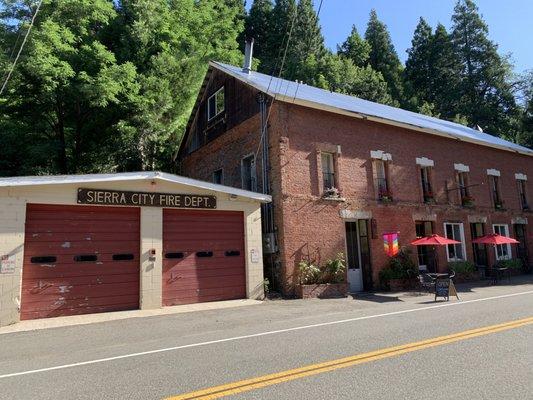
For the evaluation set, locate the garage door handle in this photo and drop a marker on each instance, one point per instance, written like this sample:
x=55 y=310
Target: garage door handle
x=204 y=254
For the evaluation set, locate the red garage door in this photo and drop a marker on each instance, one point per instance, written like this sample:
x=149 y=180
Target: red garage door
x=80 y=260
x=203 y=256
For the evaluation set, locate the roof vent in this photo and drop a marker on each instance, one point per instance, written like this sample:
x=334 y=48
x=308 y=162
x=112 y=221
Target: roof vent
x=248 y=55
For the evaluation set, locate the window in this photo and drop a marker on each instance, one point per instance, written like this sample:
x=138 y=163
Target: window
x=495 y=191
x=248 y=176
x=503 y=251
x=455 y=231
x=215 y=104
x=477 y=230
x=522 y=194
x=328 y=170
x=218 y=176
x=426 y=254
x=425 y=176
x=382 y=181
x=464 y=193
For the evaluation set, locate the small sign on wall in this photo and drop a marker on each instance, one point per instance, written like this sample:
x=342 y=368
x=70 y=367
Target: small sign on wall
x=7 y=264
x=254 y=253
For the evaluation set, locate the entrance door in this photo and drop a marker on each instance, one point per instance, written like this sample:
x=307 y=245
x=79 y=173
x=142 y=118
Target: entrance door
x=521 y=248
x=480 y=250
x=358 y=256
x=426 y=254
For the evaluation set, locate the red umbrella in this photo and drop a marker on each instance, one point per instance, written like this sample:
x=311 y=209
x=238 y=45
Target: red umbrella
x=495 y=239
x=433 y=240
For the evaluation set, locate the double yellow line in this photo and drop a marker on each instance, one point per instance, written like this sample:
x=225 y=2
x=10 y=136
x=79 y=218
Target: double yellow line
x=315 y=369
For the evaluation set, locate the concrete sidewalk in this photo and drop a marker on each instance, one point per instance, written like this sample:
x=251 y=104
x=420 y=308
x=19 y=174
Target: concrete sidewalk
x=57 y=322
x=290 y=307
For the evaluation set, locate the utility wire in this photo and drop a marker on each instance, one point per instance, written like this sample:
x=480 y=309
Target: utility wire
x=21 y=47
x=263 y=130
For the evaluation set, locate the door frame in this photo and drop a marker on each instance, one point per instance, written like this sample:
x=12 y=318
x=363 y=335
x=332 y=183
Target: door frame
x=359 y=254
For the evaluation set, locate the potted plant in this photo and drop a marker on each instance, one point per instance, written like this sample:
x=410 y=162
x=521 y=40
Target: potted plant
x=398 y=273
x=326 y=281
x=385 y=195
x=465 y=271
x=498 y=205
x=514 y=265
x=331 y=193
x=429 y=198
x=468 y=201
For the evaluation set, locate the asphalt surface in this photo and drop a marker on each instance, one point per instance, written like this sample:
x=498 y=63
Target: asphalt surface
x=246 y=342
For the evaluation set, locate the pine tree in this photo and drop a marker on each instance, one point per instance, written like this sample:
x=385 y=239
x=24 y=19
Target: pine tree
x=418 y=67
x=383 y=57
x=283 y=18
x=258 y=25
x=355 y=48
x=445 y=74
x=486 y=95
x=306 y=47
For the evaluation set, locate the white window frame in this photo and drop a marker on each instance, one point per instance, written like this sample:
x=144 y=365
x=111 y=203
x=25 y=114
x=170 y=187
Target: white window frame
x=253 y=172
x=217 y=112
x=221 y=176
x=463 y=244
x=500 y=246
x=328 y=167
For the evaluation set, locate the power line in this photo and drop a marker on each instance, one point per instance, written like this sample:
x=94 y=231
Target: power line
x=21 y=47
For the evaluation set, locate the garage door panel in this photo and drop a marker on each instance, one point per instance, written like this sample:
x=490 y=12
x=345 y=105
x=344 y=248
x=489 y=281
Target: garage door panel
x=81 y=269
x=48 y=291
x=80 y=226
x=77 y=307
x=63 y=284
x=193 y=278
x=39 y=237
x=85 y=247
x=193 y=296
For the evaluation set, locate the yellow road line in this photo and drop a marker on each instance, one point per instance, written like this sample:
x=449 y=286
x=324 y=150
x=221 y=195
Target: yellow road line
x=314 y=369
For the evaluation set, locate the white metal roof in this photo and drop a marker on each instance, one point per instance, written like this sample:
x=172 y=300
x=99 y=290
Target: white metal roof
x=129 y=176
x=310 y=96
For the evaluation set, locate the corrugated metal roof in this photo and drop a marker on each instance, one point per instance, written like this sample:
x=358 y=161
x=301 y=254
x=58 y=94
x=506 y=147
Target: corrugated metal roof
x=129 y=176
x=310 y=96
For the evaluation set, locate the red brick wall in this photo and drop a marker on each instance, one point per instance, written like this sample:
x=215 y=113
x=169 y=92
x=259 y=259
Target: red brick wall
x=309 y=226
x=312 y=226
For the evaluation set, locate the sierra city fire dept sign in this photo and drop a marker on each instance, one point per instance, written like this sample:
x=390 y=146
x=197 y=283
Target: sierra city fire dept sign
x=145 y=199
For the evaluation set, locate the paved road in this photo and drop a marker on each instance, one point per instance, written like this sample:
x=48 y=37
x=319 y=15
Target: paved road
x=187 y=352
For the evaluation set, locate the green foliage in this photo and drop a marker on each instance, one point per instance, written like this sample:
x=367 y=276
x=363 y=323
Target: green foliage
x=333 y=271
x=515 y=263
x=383 y=57
x=462 y=267
x=355 y=48
x=400 y=266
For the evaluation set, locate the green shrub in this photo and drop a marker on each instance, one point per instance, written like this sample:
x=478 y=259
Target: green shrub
x=511 y=264
x=462 y=267
x=333 y=271
x=400 y=266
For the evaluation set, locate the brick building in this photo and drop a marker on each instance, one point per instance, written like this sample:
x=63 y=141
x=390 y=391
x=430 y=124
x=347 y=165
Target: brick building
x=344 y=171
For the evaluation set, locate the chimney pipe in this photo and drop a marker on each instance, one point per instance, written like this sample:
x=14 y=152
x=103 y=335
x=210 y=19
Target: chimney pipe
x=248 y=55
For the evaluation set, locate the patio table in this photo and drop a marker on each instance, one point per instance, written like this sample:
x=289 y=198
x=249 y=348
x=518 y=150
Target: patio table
x=498 y=272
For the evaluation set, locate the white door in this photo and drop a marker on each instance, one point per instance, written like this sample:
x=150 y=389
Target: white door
x=353 y=257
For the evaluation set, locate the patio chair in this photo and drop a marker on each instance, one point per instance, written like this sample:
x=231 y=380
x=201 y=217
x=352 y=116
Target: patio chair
x=426 y=283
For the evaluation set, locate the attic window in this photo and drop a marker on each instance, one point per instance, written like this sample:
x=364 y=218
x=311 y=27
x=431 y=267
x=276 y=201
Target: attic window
x=215 y=104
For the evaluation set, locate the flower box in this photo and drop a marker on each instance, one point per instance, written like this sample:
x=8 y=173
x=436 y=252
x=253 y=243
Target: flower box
x=322 y=291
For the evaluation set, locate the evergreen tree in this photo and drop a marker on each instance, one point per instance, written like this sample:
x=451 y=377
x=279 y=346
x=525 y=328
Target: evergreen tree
x=62 y=100
x=418 y=67
x=307 y=43
x=445 y=74
x=283 y=18
x=355 y=48
x=258 y=25
x=339 y=74
x=170 y=43
x=487 y=98
x=383 y=57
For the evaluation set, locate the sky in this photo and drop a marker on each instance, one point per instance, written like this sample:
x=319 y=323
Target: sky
x=510 y=22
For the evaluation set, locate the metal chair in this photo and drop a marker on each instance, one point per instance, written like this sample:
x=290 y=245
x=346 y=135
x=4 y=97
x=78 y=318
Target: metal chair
x=426 y=283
